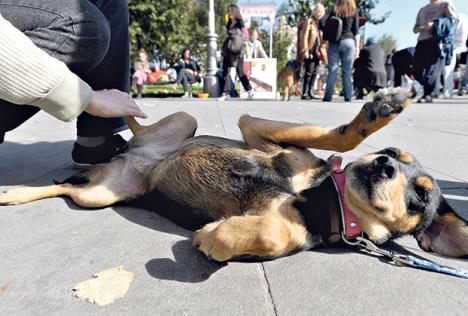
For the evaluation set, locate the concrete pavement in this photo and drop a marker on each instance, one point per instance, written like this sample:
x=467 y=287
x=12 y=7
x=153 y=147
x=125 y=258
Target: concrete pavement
x=46 y=247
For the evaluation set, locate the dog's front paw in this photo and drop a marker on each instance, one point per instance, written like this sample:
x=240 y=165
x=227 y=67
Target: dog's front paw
x=212 y=243
x=388 y=103
x=374 y=110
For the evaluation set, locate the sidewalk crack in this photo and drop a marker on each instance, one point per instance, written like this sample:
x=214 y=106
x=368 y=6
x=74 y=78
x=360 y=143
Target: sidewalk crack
x=221 y=120
x=270 y=294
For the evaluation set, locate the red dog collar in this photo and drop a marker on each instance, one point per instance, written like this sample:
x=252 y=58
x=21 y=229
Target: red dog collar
x=351 y=228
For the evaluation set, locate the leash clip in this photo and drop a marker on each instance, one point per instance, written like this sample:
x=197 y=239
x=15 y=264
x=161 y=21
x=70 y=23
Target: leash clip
x=370 y=247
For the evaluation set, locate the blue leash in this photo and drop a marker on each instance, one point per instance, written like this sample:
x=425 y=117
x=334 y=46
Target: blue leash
x=408 y=260
x=431 y=266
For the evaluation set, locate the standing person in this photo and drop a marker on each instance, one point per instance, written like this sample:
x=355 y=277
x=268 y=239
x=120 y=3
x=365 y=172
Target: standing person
x=188 y=71
x=142 y=69
x=461 y=36
x=369 y=69
x=427 y=65
x=464 y=79
x=254 y=48
x=53 y=55
x=232 y=50
x=346 y=49
x=389 y=69
x=310 y=41
x=402 y=62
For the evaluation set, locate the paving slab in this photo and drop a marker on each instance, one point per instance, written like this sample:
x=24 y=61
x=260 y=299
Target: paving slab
x=49 y=246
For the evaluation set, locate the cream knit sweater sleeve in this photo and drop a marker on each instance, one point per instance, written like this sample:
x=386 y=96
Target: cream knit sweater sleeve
x=28 y=75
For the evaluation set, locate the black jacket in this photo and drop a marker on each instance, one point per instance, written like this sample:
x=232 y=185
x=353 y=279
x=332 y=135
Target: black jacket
x=369 y=68
x=229 y=58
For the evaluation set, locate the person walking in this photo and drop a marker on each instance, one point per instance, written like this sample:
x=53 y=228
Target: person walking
x=402 y=62
x=232 y=52
x=343 y=48
x=310 y=41
x=427 y=63
x=459 y=46
x=61 y=57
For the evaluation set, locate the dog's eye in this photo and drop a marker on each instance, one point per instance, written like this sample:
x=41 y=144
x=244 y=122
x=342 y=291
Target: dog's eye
x=414 y=208
x=423 y=187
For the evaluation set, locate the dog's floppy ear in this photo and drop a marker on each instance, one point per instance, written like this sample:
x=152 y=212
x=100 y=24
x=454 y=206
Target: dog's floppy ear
x=448 y=233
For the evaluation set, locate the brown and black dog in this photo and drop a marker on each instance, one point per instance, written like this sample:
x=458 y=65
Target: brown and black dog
x=286 y=79
x=244 y=197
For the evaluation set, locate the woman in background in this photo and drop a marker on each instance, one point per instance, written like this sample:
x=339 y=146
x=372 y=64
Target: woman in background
x=235 y=29
x=346 y=49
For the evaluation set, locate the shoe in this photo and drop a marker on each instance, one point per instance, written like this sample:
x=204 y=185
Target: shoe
x=306 y=97
x=223 y=97
x=448 y=96
x=250 y=95
x=326 y=100
x=425 y=99
x=84 y=157
x=186 y=95
x=461 y=92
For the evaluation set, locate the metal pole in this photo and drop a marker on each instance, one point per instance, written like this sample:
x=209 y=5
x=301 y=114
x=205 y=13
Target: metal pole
x=210 y=82
x=272 y=20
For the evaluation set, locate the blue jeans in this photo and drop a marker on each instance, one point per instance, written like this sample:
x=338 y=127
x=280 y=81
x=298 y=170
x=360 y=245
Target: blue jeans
x=89 y=36
x=343 y=51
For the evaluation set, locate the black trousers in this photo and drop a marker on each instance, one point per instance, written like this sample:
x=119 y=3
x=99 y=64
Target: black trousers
x=311 y=67
x=90 y=37
x=240 y=72
x=427 y=65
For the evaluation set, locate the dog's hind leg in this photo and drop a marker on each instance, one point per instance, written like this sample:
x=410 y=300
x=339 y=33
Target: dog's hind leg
x=181 y=119
x=273 y=233
x=372 y=117
x=108 y=184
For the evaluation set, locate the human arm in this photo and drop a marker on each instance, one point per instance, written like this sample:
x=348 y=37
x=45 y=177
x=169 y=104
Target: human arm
x=261 y=50
x=28 y=75
x=357 y=39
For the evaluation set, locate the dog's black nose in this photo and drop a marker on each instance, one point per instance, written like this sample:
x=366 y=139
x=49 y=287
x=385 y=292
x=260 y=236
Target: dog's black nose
x=382 y=160
x=383 y=166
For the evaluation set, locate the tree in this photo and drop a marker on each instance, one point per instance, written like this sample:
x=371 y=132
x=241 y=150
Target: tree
x=164 y=28
x=388 y=43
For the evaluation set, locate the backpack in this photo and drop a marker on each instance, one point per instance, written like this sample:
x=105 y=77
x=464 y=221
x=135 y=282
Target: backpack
x=234 y=41
x=333 y=29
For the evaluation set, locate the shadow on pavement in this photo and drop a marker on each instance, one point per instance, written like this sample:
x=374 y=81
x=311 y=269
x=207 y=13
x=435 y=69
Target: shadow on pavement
x=189 y=265
x=23 y=163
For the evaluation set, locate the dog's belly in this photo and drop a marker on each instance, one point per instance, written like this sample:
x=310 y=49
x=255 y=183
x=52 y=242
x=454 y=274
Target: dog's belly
x=178 y=212
x=210 y=178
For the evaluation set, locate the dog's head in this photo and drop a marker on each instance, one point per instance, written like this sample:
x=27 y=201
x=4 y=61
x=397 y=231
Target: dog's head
x=391 y=194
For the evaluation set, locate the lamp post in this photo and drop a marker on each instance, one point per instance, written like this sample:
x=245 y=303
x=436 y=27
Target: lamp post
x=210 y=82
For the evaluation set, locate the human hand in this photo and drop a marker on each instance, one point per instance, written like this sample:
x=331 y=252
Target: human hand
x=113 y=103
x=429 y=26
x=306 y=55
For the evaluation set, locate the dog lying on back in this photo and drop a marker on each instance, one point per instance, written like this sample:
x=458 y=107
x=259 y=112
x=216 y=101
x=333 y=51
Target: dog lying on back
x=269 y=196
